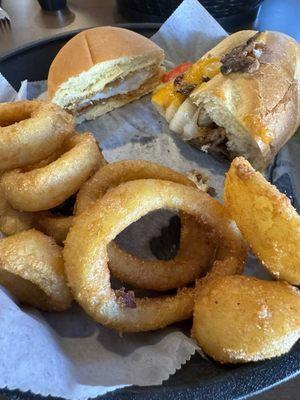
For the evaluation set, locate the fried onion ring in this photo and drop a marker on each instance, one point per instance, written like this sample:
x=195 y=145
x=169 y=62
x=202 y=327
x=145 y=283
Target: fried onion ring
x=13 y=221
x=47 y=187
x=30 y=131
x=119 y=172
x=86 y=259
x=198 y=244
x=56 y=222
x=241 y=318
x=32 y=269
x=193 y=256
x=266 y=218
x=55 y=226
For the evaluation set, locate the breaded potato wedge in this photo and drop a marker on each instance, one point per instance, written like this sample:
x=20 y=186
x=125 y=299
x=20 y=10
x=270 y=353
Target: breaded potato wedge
x=266 y=218
x=239 y=319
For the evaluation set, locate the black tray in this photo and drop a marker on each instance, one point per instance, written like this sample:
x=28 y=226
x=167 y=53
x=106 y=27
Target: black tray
x=199 y=379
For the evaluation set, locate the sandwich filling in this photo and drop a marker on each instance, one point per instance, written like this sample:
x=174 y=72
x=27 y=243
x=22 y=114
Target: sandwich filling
x=119 y=87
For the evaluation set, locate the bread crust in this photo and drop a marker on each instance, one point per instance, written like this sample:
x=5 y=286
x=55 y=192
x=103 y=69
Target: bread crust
x=265 y=103
x=94 y=46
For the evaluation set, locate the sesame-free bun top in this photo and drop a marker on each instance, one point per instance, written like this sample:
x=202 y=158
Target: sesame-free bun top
x=99 y=45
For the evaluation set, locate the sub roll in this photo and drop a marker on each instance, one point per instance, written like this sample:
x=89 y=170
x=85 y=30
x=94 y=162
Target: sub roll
x=240 y=98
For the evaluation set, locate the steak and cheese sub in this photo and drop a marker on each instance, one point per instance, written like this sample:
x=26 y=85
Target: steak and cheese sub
x=240 y=98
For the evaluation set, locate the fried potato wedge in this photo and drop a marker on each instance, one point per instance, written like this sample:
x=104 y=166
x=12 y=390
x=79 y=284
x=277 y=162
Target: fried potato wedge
x=266 y=218
x=239 y=319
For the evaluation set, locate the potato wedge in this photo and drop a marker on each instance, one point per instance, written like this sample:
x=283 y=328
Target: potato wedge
x=239 y=319
x=266 y=218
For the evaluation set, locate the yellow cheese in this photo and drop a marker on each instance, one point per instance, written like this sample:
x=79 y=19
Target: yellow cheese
x=257 y=129
x=166 y=94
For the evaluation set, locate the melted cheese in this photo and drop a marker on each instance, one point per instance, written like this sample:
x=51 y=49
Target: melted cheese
x=166 y=94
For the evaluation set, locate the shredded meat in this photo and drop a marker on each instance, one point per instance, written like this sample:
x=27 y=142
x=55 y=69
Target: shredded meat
x=126 y=299
x=212 y=191
x=243 y=58
x=219 y=151
x=183 y=87
x=201 y=182
x=214 y=142
x=215 y=135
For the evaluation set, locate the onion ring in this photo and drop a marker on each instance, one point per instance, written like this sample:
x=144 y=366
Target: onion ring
x=85 y=251
x=196 y=252
x=30 y=131
x=54 y=225
x=119 y=172
x=13 y=221
x=266 y=218
x=31 y=267
x=193 y=256
x=47 y=187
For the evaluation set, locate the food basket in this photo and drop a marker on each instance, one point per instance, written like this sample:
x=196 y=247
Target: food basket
x=231 y=14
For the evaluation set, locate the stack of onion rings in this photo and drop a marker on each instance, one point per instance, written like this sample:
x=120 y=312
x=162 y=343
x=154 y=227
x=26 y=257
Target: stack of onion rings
x=195 y=251
x=86 y=258
x=46 y=187
x=30 y=131
x=31 y=267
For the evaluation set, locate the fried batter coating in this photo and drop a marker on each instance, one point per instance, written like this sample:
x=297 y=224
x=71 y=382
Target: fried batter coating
x=32 y=268
x=266 y=218
x=30 y=131
x=239 y=319
x=47 y=187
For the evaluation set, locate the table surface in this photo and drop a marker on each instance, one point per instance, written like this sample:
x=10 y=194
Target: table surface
x=29 y=23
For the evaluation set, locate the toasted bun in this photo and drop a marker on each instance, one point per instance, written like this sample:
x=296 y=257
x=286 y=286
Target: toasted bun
x=260 y=111
x=229 y=43
x=96 y=57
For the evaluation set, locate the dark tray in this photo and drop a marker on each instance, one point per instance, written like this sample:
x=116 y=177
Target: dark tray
x=199 y=379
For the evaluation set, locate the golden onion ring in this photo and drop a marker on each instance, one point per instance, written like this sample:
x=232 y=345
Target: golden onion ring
x=266 y=218
x=32 y=269
x=193 y=256
x=47 y=187
x=86 y=259
x=198 y=244
x=30 y=131
x=119 y=172
x=55 y=226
